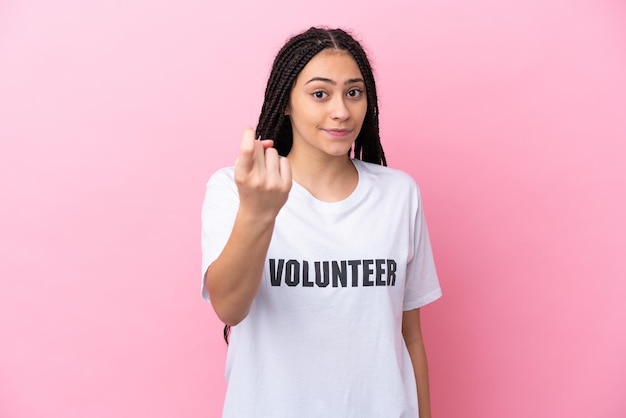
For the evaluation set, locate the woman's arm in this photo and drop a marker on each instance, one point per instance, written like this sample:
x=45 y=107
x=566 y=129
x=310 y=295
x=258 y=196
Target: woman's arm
x=412 y=332
x=263 y=182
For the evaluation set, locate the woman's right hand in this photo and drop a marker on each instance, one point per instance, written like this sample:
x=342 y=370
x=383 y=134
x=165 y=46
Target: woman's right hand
x=263 y=181
x=262 y=177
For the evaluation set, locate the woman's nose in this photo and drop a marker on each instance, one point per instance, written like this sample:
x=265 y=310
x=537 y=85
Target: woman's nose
x=338 y=109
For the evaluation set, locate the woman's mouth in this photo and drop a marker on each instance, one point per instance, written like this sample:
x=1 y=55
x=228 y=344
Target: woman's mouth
x=337 y=133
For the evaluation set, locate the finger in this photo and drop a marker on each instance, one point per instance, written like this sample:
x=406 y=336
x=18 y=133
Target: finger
x=259 y=157
x=271 y=162
x=267 y=143
x=245 y=160
x=285 y=172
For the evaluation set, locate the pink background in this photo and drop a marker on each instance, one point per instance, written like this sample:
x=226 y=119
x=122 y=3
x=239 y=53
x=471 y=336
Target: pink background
x=510 y=114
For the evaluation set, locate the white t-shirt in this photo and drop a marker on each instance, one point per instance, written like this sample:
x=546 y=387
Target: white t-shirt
x=323 y=337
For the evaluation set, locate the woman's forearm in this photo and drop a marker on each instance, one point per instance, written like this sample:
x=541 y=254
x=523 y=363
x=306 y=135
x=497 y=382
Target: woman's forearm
x=233 y=279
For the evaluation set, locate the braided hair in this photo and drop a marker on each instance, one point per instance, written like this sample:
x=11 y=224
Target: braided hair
x=289 y=62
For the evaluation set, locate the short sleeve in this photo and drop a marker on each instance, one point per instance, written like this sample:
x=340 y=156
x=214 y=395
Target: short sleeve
x=219 y=209
x=422 y=282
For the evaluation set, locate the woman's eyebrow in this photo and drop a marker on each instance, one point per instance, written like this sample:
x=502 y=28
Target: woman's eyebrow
x=328 y=80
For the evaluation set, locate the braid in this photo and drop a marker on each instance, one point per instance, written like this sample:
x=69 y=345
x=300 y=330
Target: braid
x=291 y=59
x=289 y=62
x=367 y=146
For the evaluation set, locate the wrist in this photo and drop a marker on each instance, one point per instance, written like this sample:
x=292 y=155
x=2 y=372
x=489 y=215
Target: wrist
x=253 y=220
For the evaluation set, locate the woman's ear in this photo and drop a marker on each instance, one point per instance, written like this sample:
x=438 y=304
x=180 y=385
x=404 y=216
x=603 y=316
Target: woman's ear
x=287 y=110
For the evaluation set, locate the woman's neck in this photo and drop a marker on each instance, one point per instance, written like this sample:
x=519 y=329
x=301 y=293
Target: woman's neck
x=329 y=179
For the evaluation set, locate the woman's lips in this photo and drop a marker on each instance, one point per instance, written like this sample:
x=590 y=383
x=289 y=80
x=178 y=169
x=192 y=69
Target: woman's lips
x=337 y=133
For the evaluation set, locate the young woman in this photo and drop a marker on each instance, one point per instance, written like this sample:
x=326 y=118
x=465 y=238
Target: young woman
x=317 y=259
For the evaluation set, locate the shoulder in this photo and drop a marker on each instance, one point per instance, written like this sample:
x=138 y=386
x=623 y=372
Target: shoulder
x=386 y=176
x=384 y=172
x=222 y=176
x=222 y=181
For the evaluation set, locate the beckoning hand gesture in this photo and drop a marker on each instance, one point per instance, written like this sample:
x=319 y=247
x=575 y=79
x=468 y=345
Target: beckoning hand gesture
x=262 y=177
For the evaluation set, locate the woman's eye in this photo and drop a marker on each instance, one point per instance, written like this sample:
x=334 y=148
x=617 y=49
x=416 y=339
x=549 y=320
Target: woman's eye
x=354 y=93
x=320 y=94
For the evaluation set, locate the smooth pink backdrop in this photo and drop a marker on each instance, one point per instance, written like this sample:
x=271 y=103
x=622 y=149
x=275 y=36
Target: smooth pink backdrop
x=511 y=115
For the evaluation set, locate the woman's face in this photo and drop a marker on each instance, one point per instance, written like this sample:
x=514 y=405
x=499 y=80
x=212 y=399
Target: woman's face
x=327 y=105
